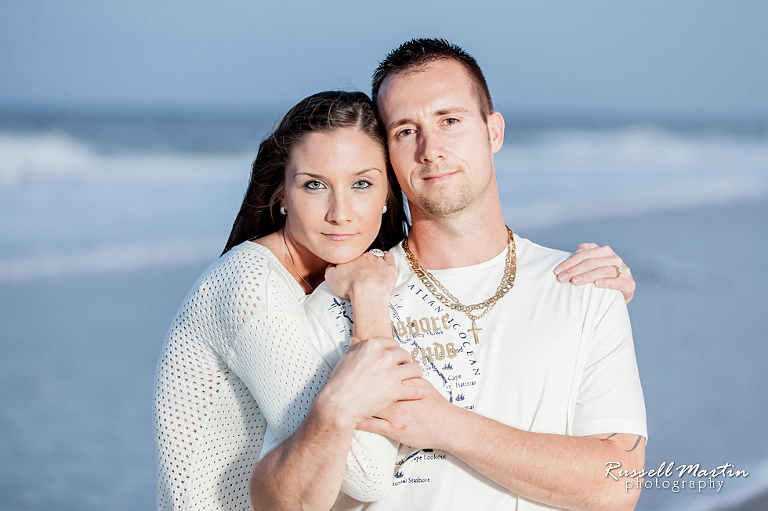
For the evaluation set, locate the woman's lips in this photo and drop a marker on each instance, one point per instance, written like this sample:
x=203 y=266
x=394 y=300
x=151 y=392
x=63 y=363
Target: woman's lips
x=338 y=237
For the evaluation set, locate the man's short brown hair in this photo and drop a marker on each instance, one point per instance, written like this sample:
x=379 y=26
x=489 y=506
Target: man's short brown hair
x=417 y=54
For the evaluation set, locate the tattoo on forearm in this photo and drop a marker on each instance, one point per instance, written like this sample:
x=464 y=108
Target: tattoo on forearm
x=637 y=442
x=612 y=436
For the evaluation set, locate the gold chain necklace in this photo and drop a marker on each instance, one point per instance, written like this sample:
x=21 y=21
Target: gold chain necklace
x=446 y=298
x=290 y=260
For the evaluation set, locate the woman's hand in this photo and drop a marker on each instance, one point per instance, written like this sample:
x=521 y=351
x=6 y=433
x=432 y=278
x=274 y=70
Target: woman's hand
x=600 y=265
x=371 y=376
x=367 y=275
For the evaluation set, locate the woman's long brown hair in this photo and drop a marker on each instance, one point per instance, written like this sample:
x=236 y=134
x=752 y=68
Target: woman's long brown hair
x=325 y=111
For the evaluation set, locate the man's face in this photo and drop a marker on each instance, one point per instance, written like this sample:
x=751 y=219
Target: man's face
x=440 y=146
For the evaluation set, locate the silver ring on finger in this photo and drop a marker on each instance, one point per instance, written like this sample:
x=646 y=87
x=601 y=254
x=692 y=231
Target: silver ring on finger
x=376 y=252
x=619 y=271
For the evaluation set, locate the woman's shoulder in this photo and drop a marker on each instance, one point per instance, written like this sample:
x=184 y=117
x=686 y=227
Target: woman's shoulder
x=247 y=262
x=249 y=269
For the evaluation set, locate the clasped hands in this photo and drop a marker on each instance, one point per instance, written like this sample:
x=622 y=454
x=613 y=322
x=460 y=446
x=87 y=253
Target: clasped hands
x=379 y=389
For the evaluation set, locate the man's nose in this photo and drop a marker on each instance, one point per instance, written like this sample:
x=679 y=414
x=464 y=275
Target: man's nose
x=430 y=146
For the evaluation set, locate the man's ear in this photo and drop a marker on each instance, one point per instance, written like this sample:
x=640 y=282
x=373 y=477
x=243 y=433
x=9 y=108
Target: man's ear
x=496 y=131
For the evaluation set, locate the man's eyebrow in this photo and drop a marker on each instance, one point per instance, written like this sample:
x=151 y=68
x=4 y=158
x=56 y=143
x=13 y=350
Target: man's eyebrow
x=452 y=110
x=399 y=123
x=443 y=111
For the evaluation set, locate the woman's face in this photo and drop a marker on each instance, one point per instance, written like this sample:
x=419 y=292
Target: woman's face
x=335 y=189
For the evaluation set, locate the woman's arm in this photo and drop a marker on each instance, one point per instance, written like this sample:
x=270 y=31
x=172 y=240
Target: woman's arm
x=273 y=356
x=306 y=470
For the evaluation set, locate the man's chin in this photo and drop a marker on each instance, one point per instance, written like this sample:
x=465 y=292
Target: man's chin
x=445 y=205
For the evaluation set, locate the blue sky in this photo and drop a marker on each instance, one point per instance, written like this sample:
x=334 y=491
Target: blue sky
x=600 y=57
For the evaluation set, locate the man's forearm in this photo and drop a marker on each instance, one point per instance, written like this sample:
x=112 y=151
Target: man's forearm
x=558 y=470
x=306 y=470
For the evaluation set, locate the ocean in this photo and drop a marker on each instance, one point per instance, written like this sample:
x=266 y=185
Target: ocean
x=108 y=218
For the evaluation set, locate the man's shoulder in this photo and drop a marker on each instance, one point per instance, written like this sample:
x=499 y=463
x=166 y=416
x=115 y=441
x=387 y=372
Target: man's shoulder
x=535 y=267
x=530 y=253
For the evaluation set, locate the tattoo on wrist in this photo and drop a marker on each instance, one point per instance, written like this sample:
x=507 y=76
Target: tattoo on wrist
x=637 y=442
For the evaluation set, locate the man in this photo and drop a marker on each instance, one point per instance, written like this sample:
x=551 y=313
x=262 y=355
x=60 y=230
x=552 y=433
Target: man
x=533 y=386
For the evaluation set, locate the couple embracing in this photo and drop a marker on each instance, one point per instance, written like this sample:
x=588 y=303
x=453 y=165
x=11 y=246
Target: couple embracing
x=341 y=356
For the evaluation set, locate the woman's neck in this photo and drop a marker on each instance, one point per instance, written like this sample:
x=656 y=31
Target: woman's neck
x=306 y=268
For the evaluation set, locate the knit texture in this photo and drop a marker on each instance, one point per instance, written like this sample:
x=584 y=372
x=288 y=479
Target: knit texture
x=238 y=357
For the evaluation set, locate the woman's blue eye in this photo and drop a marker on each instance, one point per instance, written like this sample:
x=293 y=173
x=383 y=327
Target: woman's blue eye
x=313 y=185
x=363 y=184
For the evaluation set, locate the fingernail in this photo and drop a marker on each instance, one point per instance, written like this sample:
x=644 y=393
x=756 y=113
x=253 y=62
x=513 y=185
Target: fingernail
x=564 y=277
x=578 y=278
x=579 y=250
x=558 y=270
x=599 y=282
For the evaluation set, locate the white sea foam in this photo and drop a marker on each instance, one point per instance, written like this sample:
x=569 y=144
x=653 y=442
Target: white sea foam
x=52 y=156
x=570 y=176
x=109 y=259
x=65 y=201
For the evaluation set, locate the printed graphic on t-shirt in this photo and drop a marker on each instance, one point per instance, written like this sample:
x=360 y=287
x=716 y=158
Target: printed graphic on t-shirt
x=438 y=339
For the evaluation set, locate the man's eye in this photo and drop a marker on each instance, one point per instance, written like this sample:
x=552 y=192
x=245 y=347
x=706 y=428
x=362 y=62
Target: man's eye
x=313 y=185
x=451 y=120
x=404 y=133
x=363 y=184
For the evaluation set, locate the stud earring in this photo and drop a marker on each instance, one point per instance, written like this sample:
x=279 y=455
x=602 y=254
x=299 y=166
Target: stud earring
x=384 y=209
x=282 y=210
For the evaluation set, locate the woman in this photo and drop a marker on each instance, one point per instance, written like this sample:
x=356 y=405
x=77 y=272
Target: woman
x=238 y=360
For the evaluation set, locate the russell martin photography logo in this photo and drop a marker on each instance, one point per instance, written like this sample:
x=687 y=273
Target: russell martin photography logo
x=669 y=477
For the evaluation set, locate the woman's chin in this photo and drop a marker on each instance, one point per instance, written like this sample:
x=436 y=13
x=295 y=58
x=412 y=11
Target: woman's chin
x=342 y=256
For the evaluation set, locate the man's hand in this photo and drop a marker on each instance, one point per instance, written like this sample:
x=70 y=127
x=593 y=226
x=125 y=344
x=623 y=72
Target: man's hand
x=362 y=276
x=371 y=376
x=596 y=264
x=418 y=423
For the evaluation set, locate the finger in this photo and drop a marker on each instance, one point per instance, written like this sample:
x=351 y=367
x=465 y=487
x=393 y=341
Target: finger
x=589 y=271
x=412 y=393
x=386 y=343
x=409 y=371
x=591 y=264
x=585 y=246
x=626 y=284
x=375 y=425
x=389 y=258
x=611 y=283
x=590 y=253
x=401 y=356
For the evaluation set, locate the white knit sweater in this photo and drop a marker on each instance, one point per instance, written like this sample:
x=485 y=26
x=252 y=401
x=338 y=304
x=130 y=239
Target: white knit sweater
x=237 y=357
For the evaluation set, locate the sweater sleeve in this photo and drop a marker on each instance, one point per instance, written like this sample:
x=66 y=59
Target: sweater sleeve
x=273 y=355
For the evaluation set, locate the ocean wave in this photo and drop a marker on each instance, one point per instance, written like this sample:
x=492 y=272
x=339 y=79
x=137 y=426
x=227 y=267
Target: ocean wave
x=55 y=155
x=575 y=175
x=109 y=259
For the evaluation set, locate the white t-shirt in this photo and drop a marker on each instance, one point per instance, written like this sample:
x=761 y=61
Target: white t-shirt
x=552 y=358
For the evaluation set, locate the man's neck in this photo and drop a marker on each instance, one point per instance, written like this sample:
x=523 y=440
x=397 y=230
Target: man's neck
x=462 y=239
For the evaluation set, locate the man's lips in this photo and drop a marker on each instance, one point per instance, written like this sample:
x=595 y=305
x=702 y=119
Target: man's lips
x=338 y=237
x=442 y=176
